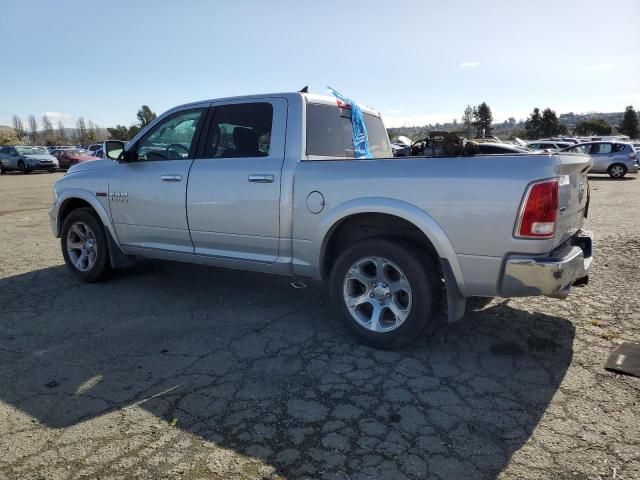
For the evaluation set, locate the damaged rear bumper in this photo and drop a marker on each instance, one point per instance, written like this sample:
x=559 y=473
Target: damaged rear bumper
x=551 y=275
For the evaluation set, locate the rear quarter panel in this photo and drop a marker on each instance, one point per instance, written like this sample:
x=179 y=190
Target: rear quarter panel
x=474 y=200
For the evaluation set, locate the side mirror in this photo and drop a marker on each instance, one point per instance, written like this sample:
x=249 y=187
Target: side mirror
x=113 y=149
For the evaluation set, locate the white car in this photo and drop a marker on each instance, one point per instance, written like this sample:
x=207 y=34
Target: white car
x=549 y=145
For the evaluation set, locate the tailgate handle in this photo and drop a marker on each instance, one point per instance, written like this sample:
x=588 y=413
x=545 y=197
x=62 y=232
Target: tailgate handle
x=261 y=178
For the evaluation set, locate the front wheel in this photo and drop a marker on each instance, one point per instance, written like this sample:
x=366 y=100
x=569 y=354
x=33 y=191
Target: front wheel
x=617 y=170
x=84 y=246
x=385 y=291
x=22 y=167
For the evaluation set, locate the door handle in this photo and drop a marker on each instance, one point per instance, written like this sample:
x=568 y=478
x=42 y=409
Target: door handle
x=171 y=178
x=261 y=178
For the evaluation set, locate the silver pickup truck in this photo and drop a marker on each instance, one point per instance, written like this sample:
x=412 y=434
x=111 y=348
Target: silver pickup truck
x=270 y=183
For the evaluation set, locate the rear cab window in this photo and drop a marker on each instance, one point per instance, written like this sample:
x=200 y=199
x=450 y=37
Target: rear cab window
x=329 y=133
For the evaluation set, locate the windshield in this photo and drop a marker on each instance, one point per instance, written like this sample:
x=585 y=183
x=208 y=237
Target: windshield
x=31 y=150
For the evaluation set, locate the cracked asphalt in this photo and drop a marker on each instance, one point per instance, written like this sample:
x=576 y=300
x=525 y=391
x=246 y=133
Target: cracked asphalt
x=187 y=372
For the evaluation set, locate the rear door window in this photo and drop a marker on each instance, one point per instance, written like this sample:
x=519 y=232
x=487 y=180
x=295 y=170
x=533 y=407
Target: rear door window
x=240 y=130
x=600 y=148
x=329 y=133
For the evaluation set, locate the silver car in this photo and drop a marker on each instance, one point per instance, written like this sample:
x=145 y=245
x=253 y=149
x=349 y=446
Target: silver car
x=549 y=145
x=26 y=159
x=615 y=158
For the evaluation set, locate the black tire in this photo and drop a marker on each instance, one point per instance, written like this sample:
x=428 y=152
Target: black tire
x=102 y=266
x=613 y=173
x=52 y=170
x=2 y=170
x=22 y=167
x=420 y=271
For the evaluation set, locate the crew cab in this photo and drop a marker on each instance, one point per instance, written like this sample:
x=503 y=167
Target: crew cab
x=270 y=183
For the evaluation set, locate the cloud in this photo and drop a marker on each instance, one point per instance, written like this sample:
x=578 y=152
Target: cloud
x=56 y=116
x=600 y=66
x=468 y=64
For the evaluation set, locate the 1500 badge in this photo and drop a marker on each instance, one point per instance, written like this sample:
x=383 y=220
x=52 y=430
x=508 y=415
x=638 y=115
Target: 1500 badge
x=119 y=197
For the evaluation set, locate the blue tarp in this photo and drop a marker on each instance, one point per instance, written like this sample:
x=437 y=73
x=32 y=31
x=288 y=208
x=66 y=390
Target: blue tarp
x=360 y=139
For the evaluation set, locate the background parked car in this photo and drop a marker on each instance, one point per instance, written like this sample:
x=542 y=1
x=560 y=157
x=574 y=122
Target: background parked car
x=615 y=158
x=69 y=158
x=59 y=147
x=550 y=145
x=93 y=148
x=26 y=158
x=491 y=148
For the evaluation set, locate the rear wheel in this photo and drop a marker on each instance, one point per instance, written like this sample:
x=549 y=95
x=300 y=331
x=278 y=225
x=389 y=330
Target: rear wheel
x=385 y=291
x=617 y=170
x=2 y=170
x=84 y=246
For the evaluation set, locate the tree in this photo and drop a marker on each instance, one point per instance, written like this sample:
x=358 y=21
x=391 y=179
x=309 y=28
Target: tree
x=533 y=125
x=596 y=126
x=18 y=127
x=62 y=135
x=145 y=116
x=8 y=138
x=81 y=131
x=119 y=132
x=33 y=130
x=512 y=122
x=133 y=130
x=47 y=130
x=467 y=120
x=550 y=124
x=92 y=132
x=629 y=124
x=483 y=120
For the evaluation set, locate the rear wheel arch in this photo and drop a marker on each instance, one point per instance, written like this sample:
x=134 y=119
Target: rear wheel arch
x=361 y=226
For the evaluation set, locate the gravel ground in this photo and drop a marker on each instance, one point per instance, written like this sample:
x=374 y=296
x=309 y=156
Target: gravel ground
x=182 y=371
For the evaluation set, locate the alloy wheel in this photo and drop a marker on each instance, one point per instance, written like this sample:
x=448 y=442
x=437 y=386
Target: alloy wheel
x=377 y=294
x=82 y=246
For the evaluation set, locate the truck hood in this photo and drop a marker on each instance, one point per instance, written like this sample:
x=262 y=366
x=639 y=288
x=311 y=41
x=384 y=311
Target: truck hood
x=92 y=166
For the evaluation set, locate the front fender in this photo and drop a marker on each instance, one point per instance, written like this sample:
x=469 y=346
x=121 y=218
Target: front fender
x=421 y=219
x=78 y=193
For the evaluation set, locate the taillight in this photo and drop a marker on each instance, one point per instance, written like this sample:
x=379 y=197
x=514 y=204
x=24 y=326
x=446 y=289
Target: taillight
x=633 y=156
x=539 y=210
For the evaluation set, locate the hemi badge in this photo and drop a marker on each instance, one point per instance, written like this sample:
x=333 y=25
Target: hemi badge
x=101 y=194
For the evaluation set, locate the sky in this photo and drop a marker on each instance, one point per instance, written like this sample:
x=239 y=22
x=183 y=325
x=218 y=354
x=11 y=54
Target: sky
x=416 y=61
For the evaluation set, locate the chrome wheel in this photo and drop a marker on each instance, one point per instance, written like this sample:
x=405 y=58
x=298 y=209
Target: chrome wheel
x=616 y=171
x=377 y=294
x=82 y=246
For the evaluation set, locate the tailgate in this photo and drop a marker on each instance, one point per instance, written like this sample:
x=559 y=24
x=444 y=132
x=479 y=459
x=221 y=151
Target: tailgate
x=573 y=194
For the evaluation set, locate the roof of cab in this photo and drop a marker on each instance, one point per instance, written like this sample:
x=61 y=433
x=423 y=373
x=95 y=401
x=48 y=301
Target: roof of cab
x=309 y=97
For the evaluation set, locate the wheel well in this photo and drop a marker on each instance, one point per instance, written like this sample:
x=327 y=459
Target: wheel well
x=371 y=225
x=69 y=206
